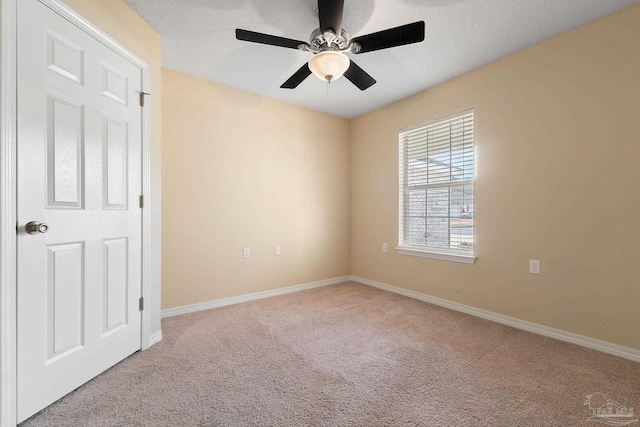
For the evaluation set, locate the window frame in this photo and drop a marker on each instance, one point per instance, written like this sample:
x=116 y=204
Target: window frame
x=447 y=254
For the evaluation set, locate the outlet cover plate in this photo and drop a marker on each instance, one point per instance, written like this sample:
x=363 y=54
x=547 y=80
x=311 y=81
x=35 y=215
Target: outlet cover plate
x=534 y=266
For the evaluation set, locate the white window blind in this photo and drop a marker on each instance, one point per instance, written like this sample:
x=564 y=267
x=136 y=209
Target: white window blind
x=436 y=186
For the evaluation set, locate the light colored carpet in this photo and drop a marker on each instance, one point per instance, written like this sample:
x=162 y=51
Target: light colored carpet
x=346 y=355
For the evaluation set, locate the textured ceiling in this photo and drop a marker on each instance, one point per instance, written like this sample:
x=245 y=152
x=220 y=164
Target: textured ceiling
x=198 y=38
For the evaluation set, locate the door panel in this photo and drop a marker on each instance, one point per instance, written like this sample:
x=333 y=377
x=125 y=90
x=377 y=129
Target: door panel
x=115 y=143
x=79 y=171
x=114 y=84
x=65 y=296
x=64 y=57
x=115 y=285
x=65 y=146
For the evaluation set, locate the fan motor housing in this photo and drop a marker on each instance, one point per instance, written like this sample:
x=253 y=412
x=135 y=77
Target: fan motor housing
x=318 y=40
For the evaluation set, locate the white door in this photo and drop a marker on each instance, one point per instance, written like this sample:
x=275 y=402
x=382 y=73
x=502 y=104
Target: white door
x=79 y=171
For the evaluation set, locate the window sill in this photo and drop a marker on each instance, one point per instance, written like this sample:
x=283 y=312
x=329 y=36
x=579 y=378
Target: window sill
x=426 y=253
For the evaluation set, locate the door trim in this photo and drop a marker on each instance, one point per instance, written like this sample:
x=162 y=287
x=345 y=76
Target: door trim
x=8 y=300
x=8 y=190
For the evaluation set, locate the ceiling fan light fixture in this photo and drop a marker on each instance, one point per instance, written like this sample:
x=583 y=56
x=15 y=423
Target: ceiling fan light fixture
x=329 y=65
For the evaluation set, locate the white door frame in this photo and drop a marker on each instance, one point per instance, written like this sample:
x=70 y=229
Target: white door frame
x=8 y=190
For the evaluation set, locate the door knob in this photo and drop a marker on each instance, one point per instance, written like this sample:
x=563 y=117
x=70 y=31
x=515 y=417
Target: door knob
x=35 y=227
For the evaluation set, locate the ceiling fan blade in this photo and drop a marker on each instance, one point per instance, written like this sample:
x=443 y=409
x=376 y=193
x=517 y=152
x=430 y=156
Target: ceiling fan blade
x=330 y=14
x=252 y=36
x=398 y=36
x=359 y=77
x=297 y=78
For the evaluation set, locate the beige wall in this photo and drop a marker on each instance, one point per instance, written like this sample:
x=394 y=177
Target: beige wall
x=240 y=170
x=558 y=170
x=122 y=24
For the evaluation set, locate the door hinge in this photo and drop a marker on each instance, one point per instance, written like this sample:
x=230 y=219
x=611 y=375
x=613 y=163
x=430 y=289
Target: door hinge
x=141 y=304
x=141 y=201
x=142 y=94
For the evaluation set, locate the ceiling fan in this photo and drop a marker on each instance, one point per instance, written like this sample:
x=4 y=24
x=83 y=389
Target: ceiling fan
x=330 y=42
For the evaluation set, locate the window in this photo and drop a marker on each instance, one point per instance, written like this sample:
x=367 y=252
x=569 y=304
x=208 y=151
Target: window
x=436 y=189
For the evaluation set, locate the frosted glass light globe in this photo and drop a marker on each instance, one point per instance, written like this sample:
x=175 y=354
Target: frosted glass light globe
x=329 y=66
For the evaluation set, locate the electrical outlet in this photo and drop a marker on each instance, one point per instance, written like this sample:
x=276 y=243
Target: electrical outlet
x=246 y=253
x=277 y=250
x=534 y=266
x=385 y=248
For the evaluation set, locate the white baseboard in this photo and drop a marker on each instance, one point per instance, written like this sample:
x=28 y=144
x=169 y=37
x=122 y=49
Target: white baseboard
x=155 y=338
x=594 y=344
x=169 y=312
